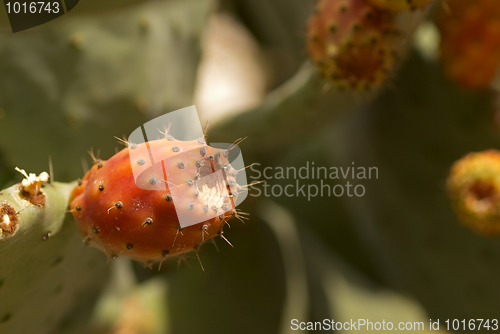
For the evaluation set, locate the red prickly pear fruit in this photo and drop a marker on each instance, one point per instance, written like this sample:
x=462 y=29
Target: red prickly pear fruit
x=139 y=215
x=474 y=189
x=352 y=43
x=470 y=42
x=399 y=5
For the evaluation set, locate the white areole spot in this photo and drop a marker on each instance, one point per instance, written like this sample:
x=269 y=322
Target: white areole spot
x=6 y=219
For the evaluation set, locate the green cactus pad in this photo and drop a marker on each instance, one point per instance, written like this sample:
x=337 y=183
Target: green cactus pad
x=44 y=269
x=72 y=84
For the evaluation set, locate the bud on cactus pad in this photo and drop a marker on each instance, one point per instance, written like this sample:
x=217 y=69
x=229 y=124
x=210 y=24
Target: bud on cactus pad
x=399 y=5
x=31 y=187
x=132 y=204
x=470 y=41
x=352 y=43
x=474 y=188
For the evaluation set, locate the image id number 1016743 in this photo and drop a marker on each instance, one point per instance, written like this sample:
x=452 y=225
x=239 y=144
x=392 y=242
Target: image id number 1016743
x=32 y=7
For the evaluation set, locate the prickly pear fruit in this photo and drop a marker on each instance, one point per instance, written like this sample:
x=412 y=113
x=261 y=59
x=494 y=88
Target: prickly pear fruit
x=133 y=205
x=399 y=5
x=474 y=188
x=352 y=43
x=470 y=42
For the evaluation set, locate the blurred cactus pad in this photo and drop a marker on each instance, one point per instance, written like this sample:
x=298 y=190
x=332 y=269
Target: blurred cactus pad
x=343 y=85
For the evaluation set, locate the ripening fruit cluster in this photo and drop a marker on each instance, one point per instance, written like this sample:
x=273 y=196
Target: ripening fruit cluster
x=474 y=189
x=354 y=43
x=470 y=41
